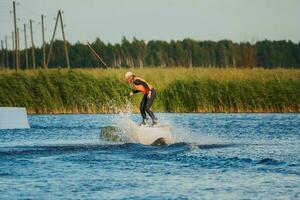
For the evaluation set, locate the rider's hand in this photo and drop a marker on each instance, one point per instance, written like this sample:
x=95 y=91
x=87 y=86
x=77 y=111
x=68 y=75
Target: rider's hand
x=149 y=95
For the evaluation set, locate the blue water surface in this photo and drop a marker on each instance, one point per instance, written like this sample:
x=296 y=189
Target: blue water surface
x=215 y=156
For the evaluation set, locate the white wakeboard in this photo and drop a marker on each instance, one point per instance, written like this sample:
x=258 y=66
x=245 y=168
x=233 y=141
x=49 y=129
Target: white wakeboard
x=153 y=135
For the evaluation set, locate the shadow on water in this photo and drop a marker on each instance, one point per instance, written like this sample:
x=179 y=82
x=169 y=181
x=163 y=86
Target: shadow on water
x=181 y=153
x=111 y=148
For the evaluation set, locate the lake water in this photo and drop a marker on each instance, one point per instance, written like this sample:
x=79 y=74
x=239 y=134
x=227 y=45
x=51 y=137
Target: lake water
x=215 y=156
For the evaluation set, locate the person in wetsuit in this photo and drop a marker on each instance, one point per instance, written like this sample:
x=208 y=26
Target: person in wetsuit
x=140 y=85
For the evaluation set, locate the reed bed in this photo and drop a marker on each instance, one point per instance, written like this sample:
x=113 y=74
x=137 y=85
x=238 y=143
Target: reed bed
x=179 y=90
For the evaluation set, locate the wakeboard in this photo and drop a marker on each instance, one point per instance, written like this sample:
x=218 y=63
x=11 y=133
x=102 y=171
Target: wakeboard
x=147 y=135
x=154 y=135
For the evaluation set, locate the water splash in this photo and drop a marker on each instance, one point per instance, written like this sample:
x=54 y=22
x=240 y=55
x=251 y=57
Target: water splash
x=123 y=125
x=185 y=135
x=127 y=128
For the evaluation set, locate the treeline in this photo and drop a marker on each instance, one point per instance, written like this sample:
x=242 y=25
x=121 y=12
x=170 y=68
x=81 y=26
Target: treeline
x=187 y=53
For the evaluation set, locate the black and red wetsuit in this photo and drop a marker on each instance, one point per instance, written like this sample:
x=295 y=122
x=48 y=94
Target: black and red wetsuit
x=140 y=85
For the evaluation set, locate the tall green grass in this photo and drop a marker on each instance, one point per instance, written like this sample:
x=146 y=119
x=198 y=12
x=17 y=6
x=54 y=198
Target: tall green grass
x=179 y=90
x=209 y=95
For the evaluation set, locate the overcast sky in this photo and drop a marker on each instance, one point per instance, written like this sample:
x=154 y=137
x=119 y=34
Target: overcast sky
x=237 y=20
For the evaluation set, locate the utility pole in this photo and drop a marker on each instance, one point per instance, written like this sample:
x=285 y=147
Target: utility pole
x=52 y=40
x=6 y=53
x=2 y=54
x=13 y=52
x=26 y=51
x=44 y=48
x=19 y=52
x=32 y=46
x=64 y=38
x=16 y=35
x=59 y=16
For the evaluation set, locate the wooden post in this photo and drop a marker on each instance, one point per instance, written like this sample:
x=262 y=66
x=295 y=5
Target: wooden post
x=19 y=52
x=26 y=50
x=32 y=46
x=16 y=35
x=6 y=53
x=13 y=52
x=2 y=55
x=44 y=48
x=52 y=40
x=64 y=38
